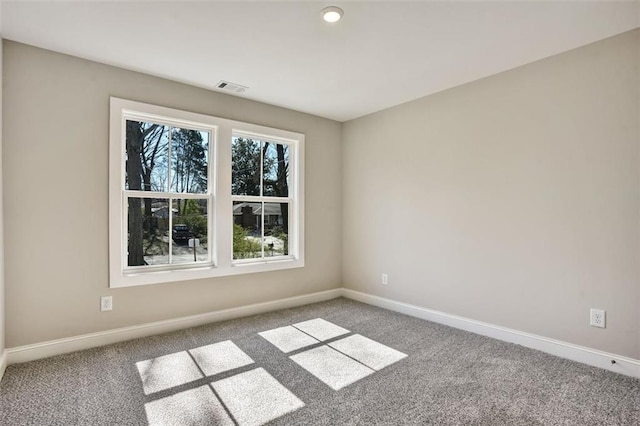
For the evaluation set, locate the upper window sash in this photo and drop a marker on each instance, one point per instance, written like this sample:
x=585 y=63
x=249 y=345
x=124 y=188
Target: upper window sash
x=173 y=125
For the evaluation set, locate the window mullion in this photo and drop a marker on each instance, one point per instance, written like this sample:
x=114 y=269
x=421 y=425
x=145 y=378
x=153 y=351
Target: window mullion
x=157 y=194
x=169 y=159
x=211 y=246
x=262 y=227
x=257 y=199
x=261 y=168
x=170 y=234
x=262 y=198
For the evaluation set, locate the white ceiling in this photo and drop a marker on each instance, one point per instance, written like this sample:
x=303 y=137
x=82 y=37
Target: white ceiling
x=382 y=53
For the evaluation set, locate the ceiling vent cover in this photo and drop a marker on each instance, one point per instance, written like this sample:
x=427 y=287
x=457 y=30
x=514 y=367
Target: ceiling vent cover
x=231 y=87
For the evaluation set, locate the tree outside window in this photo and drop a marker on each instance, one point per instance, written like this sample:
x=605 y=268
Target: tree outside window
x=260 y=188
x=163 y=161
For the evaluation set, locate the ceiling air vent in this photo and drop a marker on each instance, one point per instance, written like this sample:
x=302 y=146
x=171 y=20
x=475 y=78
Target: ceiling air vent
x=231 y=87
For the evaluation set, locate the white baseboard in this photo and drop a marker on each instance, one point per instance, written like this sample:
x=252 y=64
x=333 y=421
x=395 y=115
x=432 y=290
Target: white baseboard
x=3 y=363
x=596 y=358
x=92 y=340
x=593 y=357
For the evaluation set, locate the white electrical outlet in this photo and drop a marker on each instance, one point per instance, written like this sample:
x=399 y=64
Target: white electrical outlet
x=385 y=279
x=106 y=303
x=598 y=318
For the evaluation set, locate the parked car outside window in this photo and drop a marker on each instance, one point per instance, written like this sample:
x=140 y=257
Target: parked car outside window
x=181 y=233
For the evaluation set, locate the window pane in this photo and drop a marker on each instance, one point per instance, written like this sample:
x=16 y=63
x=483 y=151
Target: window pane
x=276 y=229
x=276 y=170
x=189 y=160
x=245 y=167
x=146 y=153
x=247 y=230
x=148 y=231
x=189 y=222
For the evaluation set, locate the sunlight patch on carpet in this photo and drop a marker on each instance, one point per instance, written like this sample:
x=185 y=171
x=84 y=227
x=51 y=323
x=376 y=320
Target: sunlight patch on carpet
x=288 y=338
x=255 y=397
x=367 y=351
x=321 y=329
x=330 y=366
x=220 y=357
x=167 y=371
x=194 y=407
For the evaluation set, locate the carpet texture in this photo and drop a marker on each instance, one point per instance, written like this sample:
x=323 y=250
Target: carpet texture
x=227 y=373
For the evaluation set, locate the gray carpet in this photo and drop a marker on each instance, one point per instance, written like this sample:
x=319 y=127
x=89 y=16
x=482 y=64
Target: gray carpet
x=449 y=377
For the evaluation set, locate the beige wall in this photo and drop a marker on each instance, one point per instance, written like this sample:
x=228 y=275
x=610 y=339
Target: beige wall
x=56 y=170
x=513 y=200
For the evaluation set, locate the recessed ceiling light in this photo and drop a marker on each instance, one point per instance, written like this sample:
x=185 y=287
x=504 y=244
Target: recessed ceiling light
x=332 y=14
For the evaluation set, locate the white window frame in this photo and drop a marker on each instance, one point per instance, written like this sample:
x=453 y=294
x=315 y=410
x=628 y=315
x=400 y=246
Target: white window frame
x=220 y=200
x=290 y=200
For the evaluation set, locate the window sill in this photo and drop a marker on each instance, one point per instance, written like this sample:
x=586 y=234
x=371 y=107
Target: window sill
x=137 y=278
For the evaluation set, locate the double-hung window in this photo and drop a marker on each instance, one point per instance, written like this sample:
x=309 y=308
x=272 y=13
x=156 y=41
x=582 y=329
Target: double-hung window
x=194 y=196
x=261 y=202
